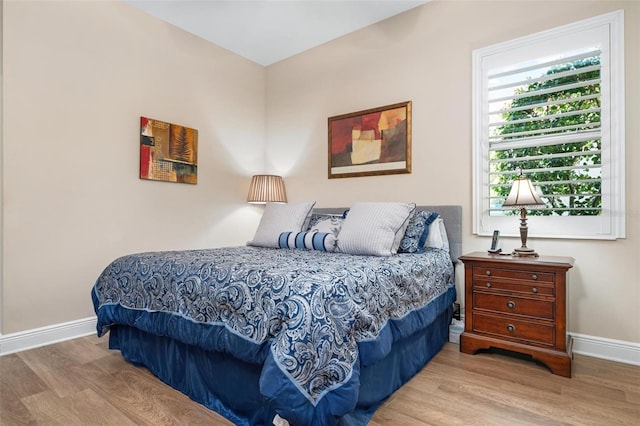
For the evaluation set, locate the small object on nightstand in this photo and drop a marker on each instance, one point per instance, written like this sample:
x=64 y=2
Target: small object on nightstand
x=494 y=243
x=518 y=304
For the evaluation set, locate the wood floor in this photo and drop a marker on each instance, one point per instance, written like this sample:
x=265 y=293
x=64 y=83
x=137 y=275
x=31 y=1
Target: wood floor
x=82 y=382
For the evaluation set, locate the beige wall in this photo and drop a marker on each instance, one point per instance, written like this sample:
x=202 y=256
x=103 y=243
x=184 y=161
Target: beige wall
x=77 y=77
x=424 y=55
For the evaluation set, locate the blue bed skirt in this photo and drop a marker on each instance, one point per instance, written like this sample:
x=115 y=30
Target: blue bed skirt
x=231 y=387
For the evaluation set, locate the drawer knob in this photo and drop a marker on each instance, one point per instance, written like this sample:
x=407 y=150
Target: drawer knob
x=534 y=277
x=488 y=285
x=511 y=304
x=535 y=289
x=488 y=273
x=511 y=328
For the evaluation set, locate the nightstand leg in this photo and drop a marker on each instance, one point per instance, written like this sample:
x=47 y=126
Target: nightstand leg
x=557 y=362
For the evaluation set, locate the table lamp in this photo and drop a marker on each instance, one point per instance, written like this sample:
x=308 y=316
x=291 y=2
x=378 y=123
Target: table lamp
x=522 y=196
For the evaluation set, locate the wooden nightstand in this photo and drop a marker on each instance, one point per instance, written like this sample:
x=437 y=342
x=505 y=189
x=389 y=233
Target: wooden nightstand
x=518 y=304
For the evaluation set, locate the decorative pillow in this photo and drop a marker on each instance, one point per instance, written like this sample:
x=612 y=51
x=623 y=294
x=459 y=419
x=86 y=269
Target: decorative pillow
x=308 y=240
x=330 y=224
x=278 y=218
x=417 y=231
x=374 y=228
x=437 y=238
x=321 y=217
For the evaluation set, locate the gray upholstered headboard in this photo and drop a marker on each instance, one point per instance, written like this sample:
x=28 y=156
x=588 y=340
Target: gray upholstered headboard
x=451 y=215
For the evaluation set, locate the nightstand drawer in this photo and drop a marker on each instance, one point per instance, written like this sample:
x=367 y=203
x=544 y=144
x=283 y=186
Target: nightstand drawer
x=501 y=285
x=525 y=331
x=540 y=308
x=512 y=274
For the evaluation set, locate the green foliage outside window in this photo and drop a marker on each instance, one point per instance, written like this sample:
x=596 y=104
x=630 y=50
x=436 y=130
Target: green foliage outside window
x=568 y=190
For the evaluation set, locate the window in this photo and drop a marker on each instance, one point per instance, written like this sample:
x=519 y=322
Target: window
x=552 y=106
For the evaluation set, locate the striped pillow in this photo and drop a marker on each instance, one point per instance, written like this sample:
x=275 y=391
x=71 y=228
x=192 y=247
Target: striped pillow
x=322 y=241
x=374 y=228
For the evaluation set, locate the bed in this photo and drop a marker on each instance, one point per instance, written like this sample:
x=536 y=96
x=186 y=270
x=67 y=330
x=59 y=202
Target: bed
x=266 y=335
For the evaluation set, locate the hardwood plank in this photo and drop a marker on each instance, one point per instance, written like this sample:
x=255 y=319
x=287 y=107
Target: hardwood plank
x=87 y=403
x=82 y=351
x=49 y=409
x=633 y=397
x=17 y=379
x=86 y=376
x=13 y=411
x=58 y=381
x=391 y=416
x=48 y=357
x=606 y=373
x=493 y=405
x=112 y=363
x=422 y=383
x=50 y=363
x=440 y=409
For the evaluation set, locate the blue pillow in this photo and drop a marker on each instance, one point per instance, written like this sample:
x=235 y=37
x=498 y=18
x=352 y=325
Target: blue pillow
x=417 y=232
x=322 y=241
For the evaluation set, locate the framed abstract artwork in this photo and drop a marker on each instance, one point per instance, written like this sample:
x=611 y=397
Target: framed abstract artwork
x=376 y=141
x=168 y=152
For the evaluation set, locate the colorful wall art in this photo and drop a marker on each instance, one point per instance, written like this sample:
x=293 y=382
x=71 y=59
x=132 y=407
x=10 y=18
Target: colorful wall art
x=168 y=152
x=372 y=142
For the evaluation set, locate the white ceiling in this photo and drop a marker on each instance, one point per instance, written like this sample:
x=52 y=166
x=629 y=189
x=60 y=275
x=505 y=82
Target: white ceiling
x=267 y=31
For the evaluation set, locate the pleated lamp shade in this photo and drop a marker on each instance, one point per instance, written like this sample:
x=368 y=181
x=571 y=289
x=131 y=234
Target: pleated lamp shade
x=266 y=189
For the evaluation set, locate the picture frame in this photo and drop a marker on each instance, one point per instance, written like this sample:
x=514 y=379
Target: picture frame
x=168 y=152
x=375 y=141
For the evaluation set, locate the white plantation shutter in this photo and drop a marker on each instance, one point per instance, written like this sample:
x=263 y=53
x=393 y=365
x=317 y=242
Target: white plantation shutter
x=552 y=105
x=546 y=102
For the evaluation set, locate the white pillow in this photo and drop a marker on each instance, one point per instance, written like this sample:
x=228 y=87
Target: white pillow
x=374 y=228
x=278 y=218
x=437 y=237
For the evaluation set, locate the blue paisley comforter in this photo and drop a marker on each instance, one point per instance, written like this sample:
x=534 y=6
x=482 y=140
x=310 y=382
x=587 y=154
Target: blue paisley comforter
x=311 y=317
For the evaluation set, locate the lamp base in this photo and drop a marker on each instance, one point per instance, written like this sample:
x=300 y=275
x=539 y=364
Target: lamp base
x=524 y=252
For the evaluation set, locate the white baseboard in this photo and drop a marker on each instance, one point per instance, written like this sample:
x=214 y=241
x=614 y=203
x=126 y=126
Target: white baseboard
x=23 y=340
x=597 y=347
x=601 y=347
